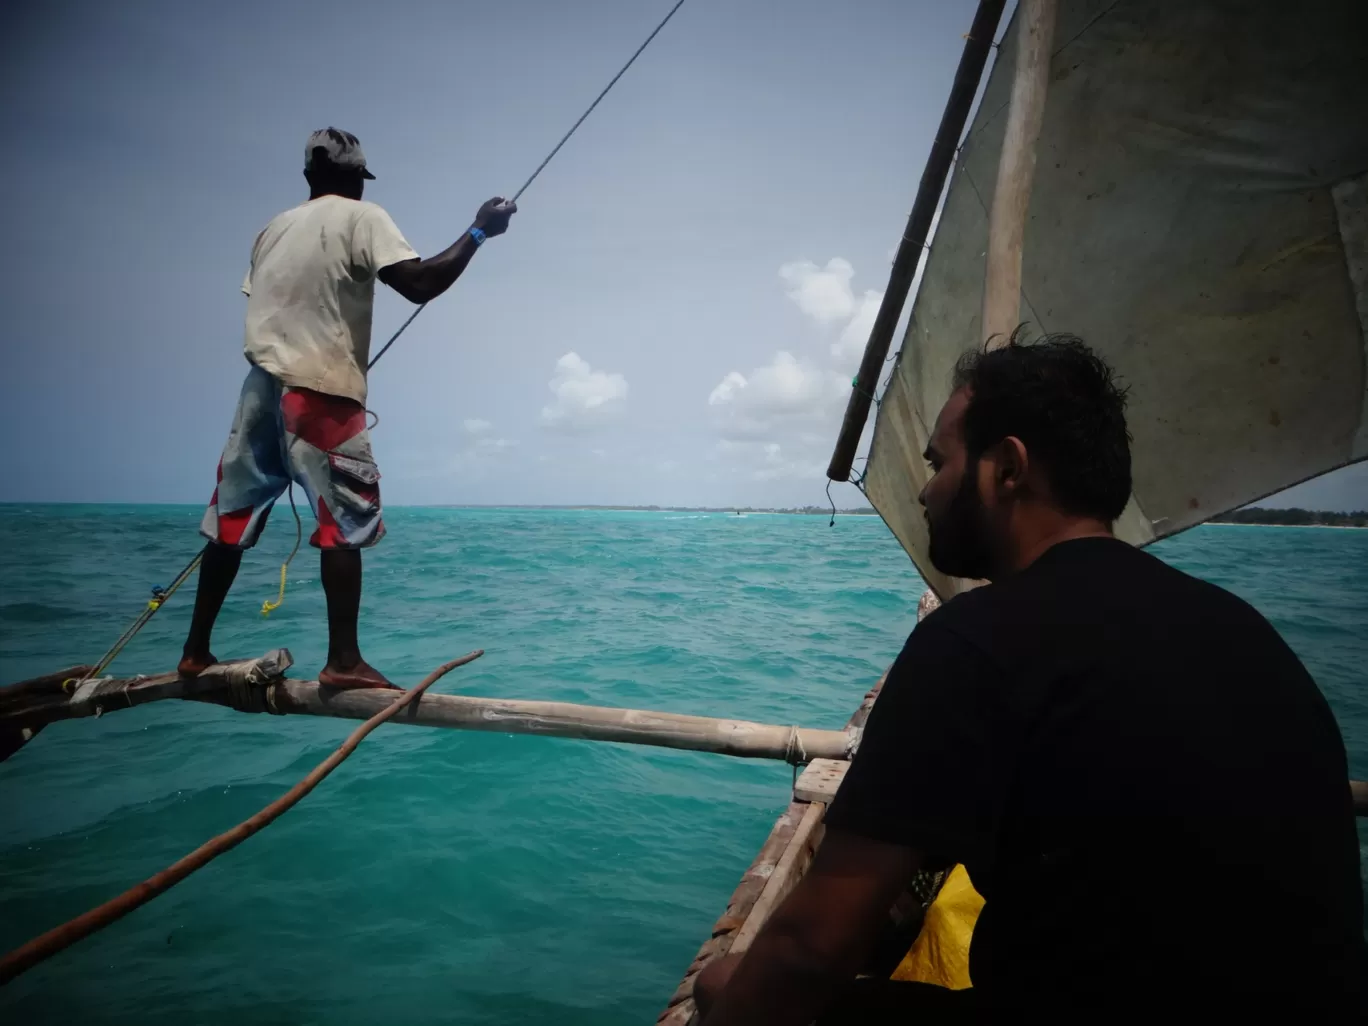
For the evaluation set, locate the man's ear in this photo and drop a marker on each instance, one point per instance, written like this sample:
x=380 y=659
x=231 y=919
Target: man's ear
x=1011 y=466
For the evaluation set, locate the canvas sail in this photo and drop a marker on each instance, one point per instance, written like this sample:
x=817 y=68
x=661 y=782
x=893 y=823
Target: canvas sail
x=1200 y=216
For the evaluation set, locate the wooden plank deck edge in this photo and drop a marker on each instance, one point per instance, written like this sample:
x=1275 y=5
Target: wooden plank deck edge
x=745 y=899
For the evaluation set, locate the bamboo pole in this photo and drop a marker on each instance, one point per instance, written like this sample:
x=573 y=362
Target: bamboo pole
x=259 y=685
x=263 y=680
x=1016 y=171
x=43 y=700
x=584 y=722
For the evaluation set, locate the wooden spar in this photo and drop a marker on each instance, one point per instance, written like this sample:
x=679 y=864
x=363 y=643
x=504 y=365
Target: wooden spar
x=1016 y=171
x=36 y=703
x=259 y=685
x=13 y=738
x=584 y=722
x=977 y=45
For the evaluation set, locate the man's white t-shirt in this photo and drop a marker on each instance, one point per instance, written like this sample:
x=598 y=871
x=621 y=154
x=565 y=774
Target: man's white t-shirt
x=311 y=292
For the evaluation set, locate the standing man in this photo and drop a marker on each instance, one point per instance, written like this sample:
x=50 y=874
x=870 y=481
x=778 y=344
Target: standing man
x=302 y=415
x=1143 y=781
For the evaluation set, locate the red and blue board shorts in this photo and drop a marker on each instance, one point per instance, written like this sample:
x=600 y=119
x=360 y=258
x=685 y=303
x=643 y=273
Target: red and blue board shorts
x=319 y=442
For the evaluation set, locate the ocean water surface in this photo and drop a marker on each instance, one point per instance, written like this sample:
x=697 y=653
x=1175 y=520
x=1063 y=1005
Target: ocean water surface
x=446 y=877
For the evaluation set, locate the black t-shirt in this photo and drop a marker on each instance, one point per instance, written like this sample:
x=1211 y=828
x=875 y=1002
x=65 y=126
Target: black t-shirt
x=1144 y=783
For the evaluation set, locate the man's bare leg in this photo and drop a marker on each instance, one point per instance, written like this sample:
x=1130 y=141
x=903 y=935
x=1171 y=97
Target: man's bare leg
x=340 y=570
x=217 y=571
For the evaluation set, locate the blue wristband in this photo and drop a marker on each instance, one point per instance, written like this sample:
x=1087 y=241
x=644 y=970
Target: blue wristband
x=478 y=236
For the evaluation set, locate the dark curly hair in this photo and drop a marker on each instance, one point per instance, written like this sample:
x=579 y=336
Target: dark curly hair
x=1063 y=402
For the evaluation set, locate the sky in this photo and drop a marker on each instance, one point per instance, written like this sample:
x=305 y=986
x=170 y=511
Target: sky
x=673 y=317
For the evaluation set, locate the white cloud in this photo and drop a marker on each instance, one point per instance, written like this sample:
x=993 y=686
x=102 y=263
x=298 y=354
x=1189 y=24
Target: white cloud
x=825 y=295
x=777 y=422
x=481 y=455
x=583 y=396
x=726 y=391
x=822 y=293
x=770 y=461
x=786 y=385
x=848 y=349
x=492 y=445
x=785 y=396
x=475 y=426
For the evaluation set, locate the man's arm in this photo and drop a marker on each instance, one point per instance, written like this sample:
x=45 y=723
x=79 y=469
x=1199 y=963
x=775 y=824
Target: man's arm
x=818 y=938
x=924 y=789
x=422 y=281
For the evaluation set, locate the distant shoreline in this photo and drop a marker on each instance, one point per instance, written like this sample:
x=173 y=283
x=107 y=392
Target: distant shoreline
x=1257 y=516
x=1249 y=517
x=1326 y=527
x=825 y=511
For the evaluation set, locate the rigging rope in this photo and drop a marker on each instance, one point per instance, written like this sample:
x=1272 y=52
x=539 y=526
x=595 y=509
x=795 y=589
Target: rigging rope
x=59 y=938
x=556 y=149
x=159 y=597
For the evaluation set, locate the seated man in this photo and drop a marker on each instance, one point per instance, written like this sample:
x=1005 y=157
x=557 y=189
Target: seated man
x=1141 y=778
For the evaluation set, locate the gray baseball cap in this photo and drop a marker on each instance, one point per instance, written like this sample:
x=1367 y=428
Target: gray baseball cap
x=341 y=148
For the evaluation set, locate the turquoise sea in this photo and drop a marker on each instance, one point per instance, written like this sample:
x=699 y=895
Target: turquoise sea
x=442 y=877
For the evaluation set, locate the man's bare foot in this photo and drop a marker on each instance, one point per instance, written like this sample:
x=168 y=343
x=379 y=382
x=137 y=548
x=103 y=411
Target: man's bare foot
x=194 y=665
x=359 y=675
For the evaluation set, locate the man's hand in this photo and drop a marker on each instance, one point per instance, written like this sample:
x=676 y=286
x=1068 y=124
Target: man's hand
x=422 y=281
x=493 y=216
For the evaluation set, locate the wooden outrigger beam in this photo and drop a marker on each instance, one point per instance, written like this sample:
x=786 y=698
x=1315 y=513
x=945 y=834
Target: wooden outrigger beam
x=260 y=685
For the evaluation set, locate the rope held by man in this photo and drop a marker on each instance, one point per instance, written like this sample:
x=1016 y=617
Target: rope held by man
x=556 y=149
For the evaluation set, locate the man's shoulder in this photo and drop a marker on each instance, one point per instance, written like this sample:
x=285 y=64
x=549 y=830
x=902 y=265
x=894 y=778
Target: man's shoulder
x=1087 y=579
x=331 y=208
x=961 y=627
x=1166 y=584
x=365 y=208
x=965 y=612
x=279 y=225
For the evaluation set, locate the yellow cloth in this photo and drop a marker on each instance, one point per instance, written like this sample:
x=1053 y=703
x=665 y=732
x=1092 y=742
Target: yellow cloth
x=941 y=952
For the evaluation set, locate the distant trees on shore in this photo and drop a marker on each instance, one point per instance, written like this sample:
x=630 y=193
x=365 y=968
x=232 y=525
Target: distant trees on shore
x=1294 y=517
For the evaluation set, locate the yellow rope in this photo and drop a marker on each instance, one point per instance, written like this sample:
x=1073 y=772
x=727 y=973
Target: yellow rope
x=268 y=607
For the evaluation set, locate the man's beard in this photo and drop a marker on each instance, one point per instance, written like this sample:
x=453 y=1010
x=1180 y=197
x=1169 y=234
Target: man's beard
x=959 y=538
